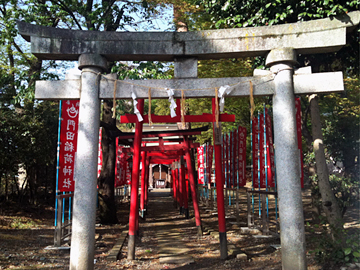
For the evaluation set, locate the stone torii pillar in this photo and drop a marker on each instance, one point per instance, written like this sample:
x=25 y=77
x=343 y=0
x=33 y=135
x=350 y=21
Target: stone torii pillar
x=293 y=249
x=84 y=207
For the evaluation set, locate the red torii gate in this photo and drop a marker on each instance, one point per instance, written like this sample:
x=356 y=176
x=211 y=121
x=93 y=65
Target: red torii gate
x=163 y=154
x=214 y=117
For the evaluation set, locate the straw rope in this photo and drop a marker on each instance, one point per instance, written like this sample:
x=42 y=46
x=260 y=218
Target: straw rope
x=114 y=101
x=216 y=107
x=149 y=112
x=182 y=109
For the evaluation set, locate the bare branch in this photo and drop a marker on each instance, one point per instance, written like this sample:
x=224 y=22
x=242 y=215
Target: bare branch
x=68 y=10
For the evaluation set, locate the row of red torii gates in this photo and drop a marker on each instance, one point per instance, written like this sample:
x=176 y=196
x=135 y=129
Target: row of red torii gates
x=168 y=154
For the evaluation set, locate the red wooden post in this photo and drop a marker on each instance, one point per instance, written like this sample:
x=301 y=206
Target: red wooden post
x=143 y=180
x=134 y=207
x=184 y=191
x=147 y=164
x=173 y=176
x=177 y=186
x=193 y=187
x=181 y=186
x=219 y=187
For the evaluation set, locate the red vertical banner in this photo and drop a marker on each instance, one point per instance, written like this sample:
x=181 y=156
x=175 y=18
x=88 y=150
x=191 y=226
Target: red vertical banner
x=231 y=159
x=298 y=129
x=255 y=150
x=68 y=144
x=235 y=160
x=99 y=153
x=270 y=154
x=119 y=165
x=127 y=173
x=227 y=178
x=209 y=159
x=242 y=156
x=200 y=157
x=235 y=156
x=123 y=167
x=262 y=152
x=223 y=151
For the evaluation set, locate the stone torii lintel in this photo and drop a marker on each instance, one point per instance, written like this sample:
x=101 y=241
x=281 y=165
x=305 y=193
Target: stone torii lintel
x=317 y=36
x=263 y=86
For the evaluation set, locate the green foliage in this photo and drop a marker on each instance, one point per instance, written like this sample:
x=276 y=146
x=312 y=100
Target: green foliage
x=29 y=129
x=28 y=139
x=346 y=189
x=232 y=13
x=341 y=125
x=22 y=223
x=235 y=14
x=344 y=249
x=139 y=71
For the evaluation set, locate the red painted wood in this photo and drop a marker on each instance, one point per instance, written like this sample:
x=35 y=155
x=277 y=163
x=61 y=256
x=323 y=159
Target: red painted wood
x=227 y=160
x=270 y=151
x=181 y=184
x=165 y=134
x=173 y=183
x=167 y=140
x=147 y=164
x=242 y=155
x=143 y=179
x=204 y=118
x=192 y=185
x=177 y=185
x=163 y=153
x=231 y=159
x=219 y=182
x=184 y=193
x=171 y=147
x=133 y=217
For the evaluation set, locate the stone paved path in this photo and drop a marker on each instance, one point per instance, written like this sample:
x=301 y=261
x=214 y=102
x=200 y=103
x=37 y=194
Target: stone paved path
x=170 y=228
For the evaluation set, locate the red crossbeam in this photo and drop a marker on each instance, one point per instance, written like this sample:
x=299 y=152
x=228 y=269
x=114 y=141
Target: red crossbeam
x=162 y=148
x=162 y=161
x=163 y=154
x=170 y=140
x=171 y=147
x=165 y=134
x=204 y=118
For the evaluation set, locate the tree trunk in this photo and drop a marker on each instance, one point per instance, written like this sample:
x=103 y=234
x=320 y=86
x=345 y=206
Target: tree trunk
x=329 y=203
x=107 y=207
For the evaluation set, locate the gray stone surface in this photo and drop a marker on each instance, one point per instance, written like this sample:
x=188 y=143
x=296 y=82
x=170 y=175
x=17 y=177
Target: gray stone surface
x=281 y=54
x=92 y=60
x=241 y=257
x=84 y=207
x=263 y=86
x=185 y=68
x=318 y=36
x=177 y=259
x=115 y=252
x=252 y=231
x=293 y=249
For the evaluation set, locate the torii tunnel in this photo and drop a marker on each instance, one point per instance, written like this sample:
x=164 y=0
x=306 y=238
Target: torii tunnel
x=168 y=154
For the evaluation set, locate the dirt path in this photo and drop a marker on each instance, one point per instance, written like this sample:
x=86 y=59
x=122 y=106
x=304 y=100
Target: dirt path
x=165 y=236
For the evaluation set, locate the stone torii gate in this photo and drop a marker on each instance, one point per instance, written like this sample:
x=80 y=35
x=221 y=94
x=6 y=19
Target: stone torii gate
x=280 y=43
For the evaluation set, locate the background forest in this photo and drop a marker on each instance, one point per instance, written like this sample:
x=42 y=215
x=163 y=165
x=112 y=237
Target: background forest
x=29 y=128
